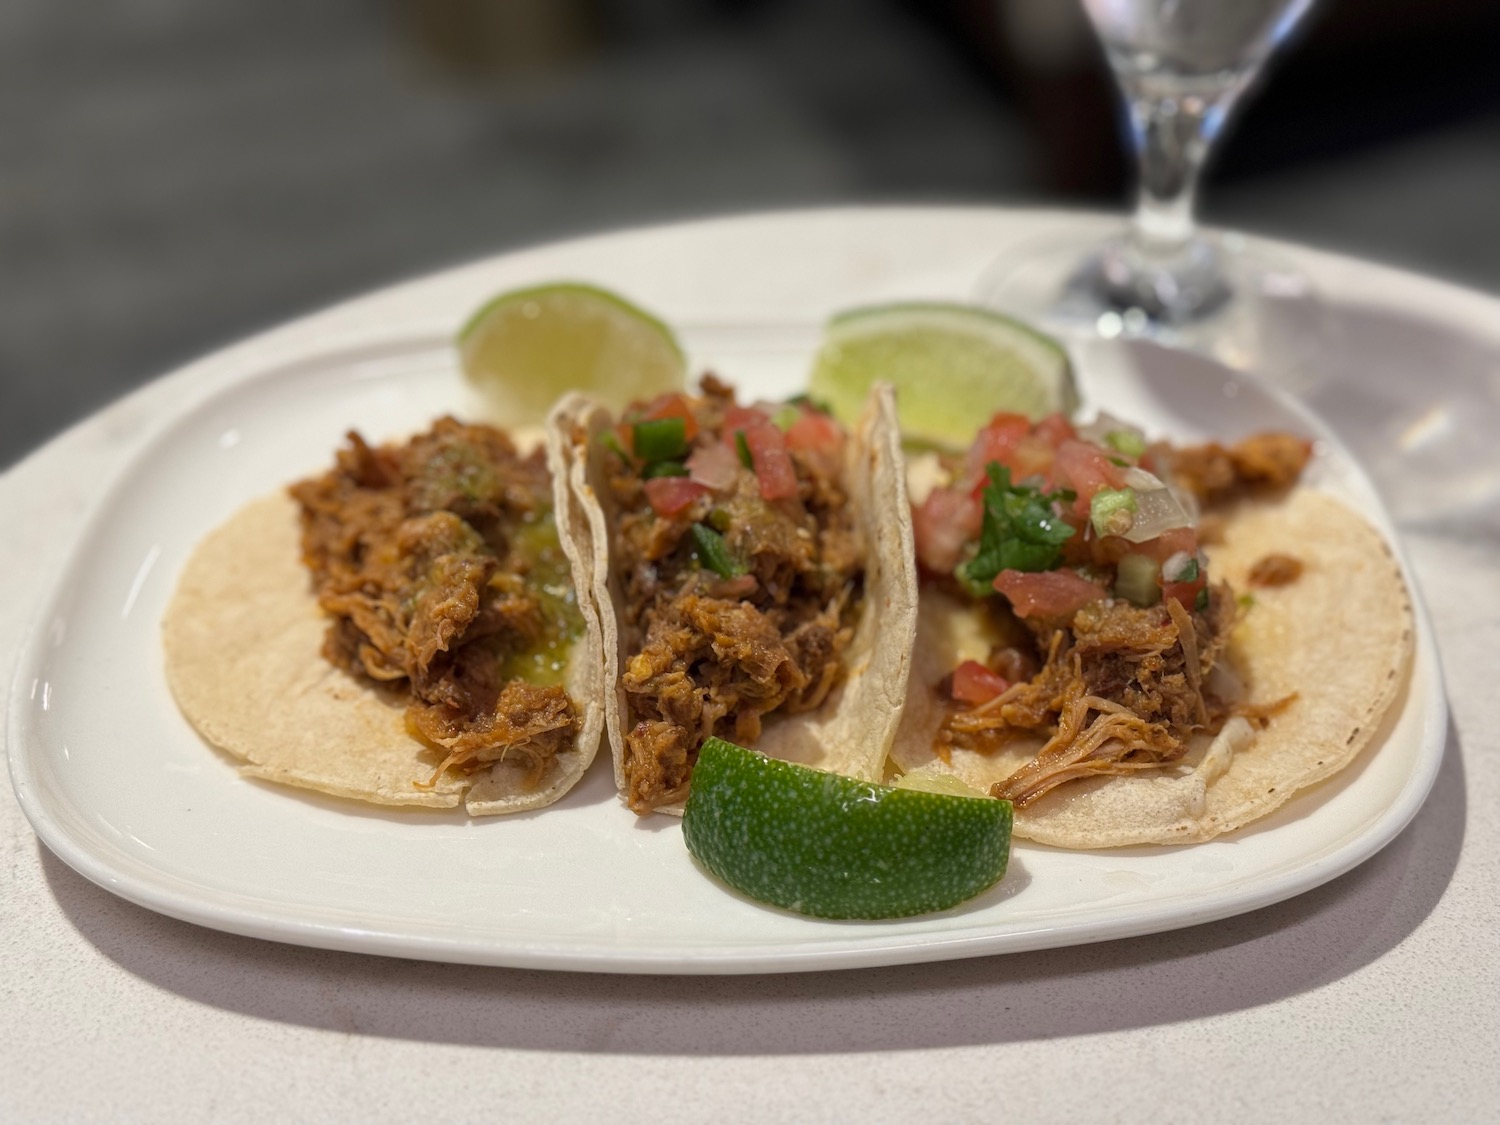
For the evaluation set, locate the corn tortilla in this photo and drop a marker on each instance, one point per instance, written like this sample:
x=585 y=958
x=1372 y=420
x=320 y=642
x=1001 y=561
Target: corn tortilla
x=243 y=636
x=1339 y=638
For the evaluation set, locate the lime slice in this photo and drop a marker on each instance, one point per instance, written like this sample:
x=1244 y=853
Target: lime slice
x=953 y=367
x=523 y=349
x=834 y=847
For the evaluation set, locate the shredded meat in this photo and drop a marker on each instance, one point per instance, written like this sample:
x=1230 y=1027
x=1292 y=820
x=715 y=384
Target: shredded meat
x=1214 y=474
x=1120 y=689
x=1114 y=688
x=528 y=722
x=415 y=558
x=709 y=655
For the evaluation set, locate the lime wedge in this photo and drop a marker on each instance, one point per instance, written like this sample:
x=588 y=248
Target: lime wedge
x=523 y=349
x=953 y=367
x=833 y=847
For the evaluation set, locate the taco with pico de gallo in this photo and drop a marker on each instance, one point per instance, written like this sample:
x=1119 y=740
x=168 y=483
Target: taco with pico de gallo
x=1141 y=643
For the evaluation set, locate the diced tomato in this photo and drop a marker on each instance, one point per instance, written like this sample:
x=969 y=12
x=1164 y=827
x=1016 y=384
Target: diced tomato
x=671 y=495
x=995 y=443
x=673 y=405
x=974 y=684
x=818 y=439
x=1169 y=543
x=768 y=451
x=1056 y=429
x=1012 y=441
x=815 y=432
x=1050 y=593
x=715 y=465
x=1085 y=468
x=942 y=524
x=742 y=418
x=1185 y=593
x=772 y=463
x=1032 y=457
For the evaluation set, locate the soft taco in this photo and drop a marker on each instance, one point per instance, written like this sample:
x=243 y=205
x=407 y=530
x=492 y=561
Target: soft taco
x=754 y=575
x=402 y=629
x=1140 y=644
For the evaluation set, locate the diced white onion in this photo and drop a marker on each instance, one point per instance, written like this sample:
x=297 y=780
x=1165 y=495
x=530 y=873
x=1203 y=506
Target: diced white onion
x=1157 y=511
x=1142 y=481
x=716 y=466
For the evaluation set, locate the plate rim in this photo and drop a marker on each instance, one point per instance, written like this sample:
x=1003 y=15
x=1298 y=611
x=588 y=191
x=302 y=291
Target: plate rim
x=819 y=952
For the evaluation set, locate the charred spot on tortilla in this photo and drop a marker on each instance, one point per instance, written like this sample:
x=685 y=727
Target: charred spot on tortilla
x=437 y=655
x=1275 y=569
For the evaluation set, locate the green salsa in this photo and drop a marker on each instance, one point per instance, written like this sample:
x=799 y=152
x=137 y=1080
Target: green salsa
x=539 y=555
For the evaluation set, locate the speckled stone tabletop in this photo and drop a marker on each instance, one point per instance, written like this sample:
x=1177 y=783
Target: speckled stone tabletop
x=1375 y=996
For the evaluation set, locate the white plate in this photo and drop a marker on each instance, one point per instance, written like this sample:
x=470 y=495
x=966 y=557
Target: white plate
x=117 y=784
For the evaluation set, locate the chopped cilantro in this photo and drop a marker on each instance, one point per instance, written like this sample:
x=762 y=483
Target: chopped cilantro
x=665 y=469
x=742 y=447
x=1200 y=603
x=1021 y=530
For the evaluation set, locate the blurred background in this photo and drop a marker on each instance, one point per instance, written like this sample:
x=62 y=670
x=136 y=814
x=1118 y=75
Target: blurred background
x=175 y=174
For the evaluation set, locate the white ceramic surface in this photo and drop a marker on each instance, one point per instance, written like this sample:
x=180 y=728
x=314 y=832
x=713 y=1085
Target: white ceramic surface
x=121 y=788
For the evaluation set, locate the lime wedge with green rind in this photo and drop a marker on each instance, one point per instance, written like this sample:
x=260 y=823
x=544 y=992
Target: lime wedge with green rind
x=523 y=349
x=953 y=367
x=834 y=847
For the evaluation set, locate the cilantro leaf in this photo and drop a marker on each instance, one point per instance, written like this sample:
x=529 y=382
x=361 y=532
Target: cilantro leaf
x=1021 y=530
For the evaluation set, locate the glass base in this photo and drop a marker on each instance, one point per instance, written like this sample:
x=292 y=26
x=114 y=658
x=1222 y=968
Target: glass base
x=1238 y=305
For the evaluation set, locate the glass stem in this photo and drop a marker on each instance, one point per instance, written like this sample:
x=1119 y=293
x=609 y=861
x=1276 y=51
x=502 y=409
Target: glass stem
x=1172 y=132
x=1162 y=267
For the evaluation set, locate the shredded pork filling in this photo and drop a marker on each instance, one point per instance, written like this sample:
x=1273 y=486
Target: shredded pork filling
x=1114 y=687
x=431 y=560
x=1120 y=689
x=713 y=655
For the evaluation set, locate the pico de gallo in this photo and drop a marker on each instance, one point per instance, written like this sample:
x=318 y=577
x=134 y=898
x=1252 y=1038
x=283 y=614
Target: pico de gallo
x=742 y=569
x=1083 y=545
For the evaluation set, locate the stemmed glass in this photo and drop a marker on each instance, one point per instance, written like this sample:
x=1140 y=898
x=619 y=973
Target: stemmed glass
x=1181 y=66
